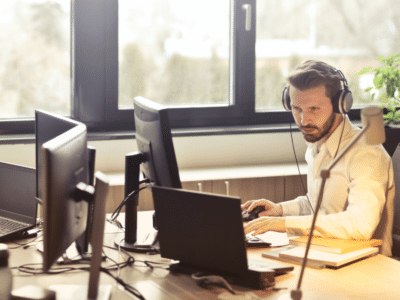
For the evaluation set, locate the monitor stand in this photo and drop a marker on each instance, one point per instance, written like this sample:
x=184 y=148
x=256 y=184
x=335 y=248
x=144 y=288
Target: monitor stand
x=92 y=290
x=129 y=241
x=83 y=242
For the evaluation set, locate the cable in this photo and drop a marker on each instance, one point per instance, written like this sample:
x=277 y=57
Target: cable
x=340 y=140
x=126 y=286
x=33 y=242
x=297 y=163
x=130 y=196
x=206 y=279
x=298 y=167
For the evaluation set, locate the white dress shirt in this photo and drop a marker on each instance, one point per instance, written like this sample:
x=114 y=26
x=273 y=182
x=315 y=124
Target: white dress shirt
x=358 y=196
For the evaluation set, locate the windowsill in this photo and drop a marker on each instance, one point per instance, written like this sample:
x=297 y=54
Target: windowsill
x=104 y=136
x=180 y=132
x=228 y=173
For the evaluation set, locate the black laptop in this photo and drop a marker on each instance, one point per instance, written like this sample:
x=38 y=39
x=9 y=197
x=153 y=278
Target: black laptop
x=204 y=232
x=18 y=205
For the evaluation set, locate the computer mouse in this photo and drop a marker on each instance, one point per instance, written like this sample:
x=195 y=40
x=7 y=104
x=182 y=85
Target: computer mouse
x=249 y=216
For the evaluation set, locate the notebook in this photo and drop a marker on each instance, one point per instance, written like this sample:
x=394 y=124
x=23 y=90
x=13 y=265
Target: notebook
x=205 y=232
x=18 y=204
x=315 y=257
x=335 y=245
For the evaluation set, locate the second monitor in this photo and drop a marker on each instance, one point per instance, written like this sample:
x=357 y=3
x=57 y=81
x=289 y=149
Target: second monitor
x=155 y=159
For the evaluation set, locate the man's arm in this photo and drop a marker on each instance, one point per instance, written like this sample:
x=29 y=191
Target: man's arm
x=370 y=175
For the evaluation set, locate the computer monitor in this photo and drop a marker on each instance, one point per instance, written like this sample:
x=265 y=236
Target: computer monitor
x=64 y=166
x=154 y=140
x=65 y=200
x=156 y=159
x=47 y=127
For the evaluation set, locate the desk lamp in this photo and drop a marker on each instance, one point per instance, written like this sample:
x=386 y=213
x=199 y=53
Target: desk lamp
x=373 y=128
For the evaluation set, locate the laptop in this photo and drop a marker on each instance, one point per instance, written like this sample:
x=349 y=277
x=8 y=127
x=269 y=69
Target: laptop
x=204 y=232
x=18 y=205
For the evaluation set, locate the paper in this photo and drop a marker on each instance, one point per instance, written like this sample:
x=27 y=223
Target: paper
x=277 y=239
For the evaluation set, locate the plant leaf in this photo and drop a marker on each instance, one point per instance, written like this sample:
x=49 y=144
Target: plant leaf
x=378 y=82
x=368 y=89
x=364 y=71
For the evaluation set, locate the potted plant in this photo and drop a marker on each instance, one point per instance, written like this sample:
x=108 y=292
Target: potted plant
x=387 y=82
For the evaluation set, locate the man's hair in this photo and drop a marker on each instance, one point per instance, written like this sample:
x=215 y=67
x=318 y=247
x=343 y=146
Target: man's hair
x=314 y=73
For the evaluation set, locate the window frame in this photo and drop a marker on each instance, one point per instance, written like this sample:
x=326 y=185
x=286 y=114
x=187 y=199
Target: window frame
x=240 y=112
x=94 y=77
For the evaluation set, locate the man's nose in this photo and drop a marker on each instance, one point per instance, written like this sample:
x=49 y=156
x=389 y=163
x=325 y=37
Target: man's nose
x=305 y=119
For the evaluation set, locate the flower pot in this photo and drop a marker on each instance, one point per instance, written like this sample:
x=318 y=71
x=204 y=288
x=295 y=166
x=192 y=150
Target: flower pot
x=392 y=138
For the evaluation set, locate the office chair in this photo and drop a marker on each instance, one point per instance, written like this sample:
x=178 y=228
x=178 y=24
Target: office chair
x=396 y=217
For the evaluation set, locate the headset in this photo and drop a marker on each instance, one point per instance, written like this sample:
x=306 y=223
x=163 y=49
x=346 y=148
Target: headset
x=342 y=102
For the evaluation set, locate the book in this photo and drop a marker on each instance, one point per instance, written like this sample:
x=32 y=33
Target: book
x=274 y=254
x=334 y=245
x=320 y=258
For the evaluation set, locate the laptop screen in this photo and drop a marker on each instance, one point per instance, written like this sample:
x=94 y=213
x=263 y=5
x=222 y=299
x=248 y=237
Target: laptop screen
x=200 y=230
x=18 y=191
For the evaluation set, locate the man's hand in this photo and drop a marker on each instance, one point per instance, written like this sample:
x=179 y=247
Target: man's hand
x=264 y=224
x=271 y=208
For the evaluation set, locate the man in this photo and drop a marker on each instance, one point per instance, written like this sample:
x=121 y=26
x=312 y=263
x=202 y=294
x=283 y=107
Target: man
x=358 y=196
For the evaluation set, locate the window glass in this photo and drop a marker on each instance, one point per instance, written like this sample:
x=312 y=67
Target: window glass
x=349 y=35
x=34 y=57
x=174 y=52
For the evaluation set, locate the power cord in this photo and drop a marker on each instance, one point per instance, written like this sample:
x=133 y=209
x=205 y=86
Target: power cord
x=128 y=198
x=205 y=279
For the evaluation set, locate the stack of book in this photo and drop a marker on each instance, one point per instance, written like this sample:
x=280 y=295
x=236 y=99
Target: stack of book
x=326 y=251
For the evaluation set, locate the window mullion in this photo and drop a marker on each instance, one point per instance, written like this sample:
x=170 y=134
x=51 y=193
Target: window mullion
x=88 y=57
x=243 y=52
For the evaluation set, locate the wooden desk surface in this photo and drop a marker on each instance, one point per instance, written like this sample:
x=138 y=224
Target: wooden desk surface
x=376 y=277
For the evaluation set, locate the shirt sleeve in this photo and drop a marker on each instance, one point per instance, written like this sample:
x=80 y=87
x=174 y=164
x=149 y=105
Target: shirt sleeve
x=297 y=207
x=368 y=173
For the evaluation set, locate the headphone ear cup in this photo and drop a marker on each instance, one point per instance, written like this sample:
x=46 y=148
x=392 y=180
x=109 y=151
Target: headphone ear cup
x=343 y=102
x=286 y=99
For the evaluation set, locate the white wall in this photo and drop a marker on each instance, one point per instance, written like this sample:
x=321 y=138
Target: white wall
x=191 y=152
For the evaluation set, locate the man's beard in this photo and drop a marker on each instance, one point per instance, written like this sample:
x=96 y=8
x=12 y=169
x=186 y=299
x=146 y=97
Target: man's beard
x=321 y=132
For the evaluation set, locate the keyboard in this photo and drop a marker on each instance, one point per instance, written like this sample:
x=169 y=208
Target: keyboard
x=7 y=226
x=253 y=241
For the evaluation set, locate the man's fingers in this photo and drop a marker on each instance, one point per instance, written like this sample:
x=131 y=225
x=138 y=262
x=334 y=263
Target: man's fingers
x=253 y=225
x=256 y=203
x=260 y=231
x=246 y=205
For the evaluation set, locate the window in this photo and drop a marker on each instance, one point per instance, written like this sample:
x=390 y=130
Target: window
x=215 y=63
x=174 y=52
x=349 y=35
x=34 y=57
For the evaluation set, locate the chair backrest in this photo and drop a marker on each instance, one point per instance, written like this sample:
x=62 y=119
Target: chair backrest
x=396 y=217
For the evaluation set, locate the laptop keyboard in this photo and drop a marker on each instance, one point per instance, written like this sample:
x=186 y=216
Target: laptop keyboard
x=8 y=226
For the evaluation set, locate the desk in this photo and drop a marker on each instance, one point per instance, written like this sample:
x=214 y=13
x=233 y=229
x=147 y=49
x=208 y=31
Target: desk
x=377 y=277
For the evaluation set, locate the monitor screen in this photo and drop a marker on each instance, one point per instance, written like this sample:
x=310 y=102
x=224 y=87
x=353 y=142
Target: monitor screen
x=18 y=191
x=65 y=163
x=154 y=140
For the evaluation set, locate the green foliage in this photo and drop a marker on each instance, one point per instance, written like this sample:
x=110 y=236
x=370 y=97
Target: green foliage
x=387 y=78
